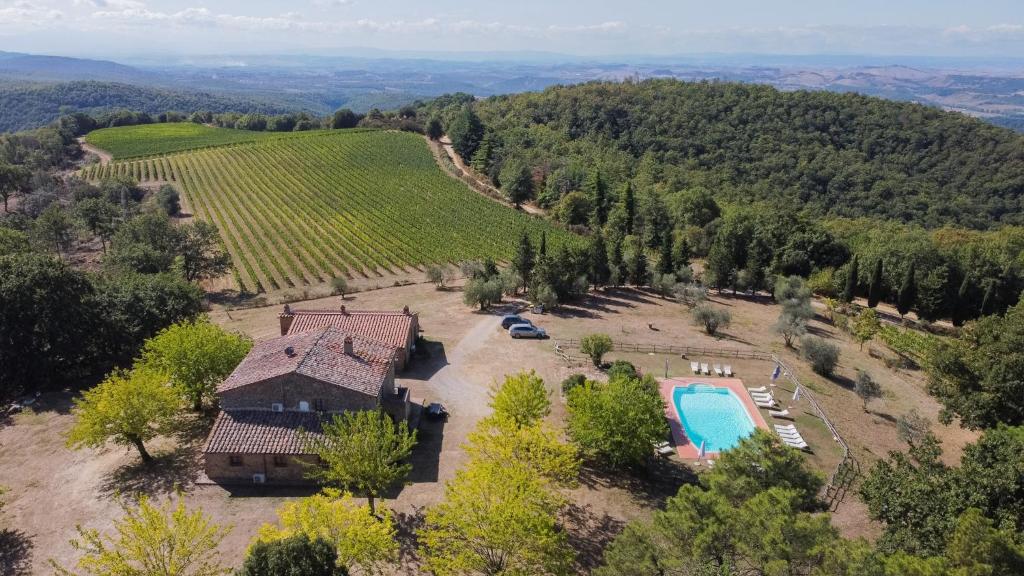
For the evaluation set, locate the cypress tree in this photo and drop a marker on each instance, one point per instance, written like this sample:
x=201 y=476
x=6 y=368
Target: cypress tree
x=665 y=264
x=524 y=259
x=683 y=253
x=908 y=292
x=851 y=281
x=963 y=307
x=599 y=192
x=599 y=271
x=875 y=287
x=638 y=273
x=543 y=250
x=629 y=206
x=616 y=264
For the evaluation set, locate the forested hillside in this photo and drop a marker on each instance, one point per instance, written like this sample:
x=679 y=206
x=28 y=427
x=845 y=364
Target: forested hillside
x=30 y=105
x=834 y=154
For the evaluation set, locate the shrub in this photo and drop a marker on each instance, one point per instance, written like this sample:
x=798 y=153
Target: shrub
x=439 y=274
x=622 y=369
x=822 y=282
x=572 y=382
x=710 y=318
x=866 y=388
x=616 y=423
x=293 y=556
x=168 y=200
x=596 y=346
x=822 y=355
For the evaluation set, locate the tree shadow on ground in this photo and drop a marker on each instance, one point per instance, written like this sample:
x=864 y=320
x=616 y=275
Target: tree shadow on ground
x=167 y=472
x=429 y=358
x=630 y=294
x=407 y=525
x=15 y=552
x=589 y=534
x=650 y=485
x=426 y=456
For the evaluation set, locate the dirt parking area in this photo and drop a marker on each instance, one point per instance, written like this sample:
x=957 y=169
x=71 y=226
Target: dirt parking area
x=53 y=489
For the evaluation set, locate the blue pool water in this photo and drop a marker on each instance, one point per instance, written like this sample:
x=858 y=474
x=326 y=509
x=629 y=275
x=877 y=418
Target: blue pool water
x=712 y=415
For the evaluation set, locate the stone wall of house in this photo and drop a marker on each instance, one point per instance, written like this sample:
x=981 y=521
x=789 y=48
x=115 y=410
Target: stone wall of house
x=291 y=389
x=219 y=469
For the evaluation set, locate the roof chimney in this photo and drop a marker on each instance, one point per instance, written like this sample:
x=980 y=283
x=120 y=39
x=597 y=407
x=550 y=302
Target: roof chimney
x=405 y=310
x=290 y=352
x=348 y=346
x=286 y=318
x=343 y=311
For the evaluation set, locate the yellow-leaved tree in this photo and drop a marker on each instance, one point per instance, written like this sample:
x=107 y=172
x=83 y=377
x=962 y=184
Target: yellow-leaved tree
x=521 y=398
x=127 y=408
x=362 y=539
x=165 y=540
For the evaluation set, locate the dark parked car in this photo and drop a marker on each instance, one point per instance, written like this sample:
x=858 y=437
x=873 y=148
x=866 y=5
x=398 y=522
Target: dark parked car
x=513 y=319
x=436 y=412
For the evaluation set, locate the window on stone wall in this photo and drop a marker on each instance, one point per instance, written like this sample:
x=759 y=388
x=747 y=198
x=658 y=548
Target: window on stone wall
x=235 y=460
x=280 y=461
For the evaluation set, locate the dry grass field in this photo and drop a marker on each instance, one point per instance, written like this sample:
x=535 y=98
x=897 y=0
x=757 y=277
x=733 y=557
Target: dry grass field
x=52 y=489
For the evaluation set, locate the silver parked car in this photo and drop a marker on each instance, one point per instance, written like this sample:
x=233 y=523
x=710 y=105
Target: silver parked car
x=526 y=331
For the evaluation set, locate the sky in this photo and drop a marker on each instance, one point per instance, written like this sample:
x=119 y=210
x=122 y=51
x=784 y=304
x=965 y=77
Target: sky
x=112 y=28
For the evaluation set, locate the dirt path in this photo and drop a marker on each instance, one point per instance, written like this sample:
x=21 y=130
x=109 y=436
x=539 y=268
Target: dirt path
x=104 y=156
x=470 y=177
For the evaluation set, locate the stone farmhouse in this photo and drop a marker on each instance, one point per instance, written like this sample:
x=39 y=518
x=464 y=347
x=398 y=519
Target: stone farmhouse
x=324 y=363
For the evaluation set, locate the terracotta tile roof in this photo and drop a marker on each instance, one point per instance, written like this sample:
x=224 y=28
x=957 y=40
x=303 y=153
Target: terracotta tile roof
x=260 y=432
x=318 y=354
x=389 y=327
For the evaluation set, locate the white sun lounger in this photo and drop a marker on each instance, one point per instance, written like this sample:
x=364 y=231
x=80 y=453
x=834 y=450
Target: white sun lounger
x=762 y=397
x=728 y=370
x=761 y=404
x=704 y=368
x=779 y=413
x=790 y=427
x=718 y=369
x=798 y=444
x=695 y=367
x=758 y=389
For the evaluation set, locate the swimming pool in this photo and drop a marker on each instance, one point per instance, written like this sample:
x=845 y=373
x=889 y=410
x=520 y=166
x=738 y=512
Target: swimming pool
x=712 y=415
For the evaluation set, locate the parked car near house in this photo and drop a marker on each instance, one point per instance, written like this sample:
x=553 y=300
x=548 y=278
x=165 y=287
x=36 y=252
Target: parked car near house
x=526 y=331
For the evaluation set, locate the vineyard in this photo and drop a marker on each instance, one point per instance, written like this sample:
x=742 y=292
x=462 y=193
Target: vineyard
x=153 y=139
x=916 y=345
x=303 y=209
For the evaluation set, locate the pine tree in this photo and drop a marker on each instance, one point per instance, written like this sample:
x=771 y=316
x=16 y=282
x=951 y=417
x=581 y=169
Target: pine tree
x=665 y=264
x=851 y=281
x=682 y=253
x=963 y=307
x=543 y=250
x=629 y=207
x=599 y=271
x=875 y=287
x=988 y=302
x=908 y=292
x=482 y=157
x=525 y=259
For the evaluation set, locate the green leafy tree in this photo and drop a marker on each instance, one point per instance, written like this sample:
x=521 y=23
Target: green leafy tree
x=618 y=422
x=99 y=217
x=823 y=356
x=852 y=279
x=876 y=287
x=339 y=286
x=344 y=118
x=466 y=132
x=201 y=252
x=168 y=199
x=167 y=539
x=293 y=556
x=912 y=428
x=522 y=399
x=361 y=538
x=495 y=519
x=54 y=229
x=482 y=292
x=908 y=291
x=866 y=388
x=639 y=272
x=516 y=181
x=932 y=294
x=498 y=440
x=599 y=271
x=128 y=408
x=979 y=376
x=13 y=180
x=596 y=346
x=434 y=129
x=710 y=318
x=197 y=355
x=622 y=369
x=666 y=265
x=866 y=326
x=362 y=450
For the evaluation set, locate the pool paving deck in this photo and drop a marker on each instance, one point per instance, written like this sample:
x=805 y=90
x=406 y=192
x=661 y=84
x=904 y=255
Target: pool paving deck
x=684 y=448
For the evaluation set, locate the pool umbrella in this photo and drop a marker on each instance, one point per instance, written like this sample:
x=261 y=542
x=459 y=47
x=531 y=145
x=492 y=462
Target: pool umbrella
x=702 y=452
x=796 y=394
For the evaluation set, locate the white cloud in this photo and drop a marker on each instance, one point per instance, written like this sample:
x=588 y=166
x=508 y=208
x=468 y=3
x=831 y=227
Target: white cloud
x=24 y=14
x=115 y=4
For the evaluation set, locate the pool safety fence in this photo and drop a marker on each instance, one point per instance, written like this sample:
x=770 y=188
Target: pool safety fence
x=845 y=473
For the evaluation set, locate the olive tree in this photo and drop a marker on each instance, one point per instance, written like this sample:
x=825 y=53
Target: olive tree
x=596 y=346
x=710 y=318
